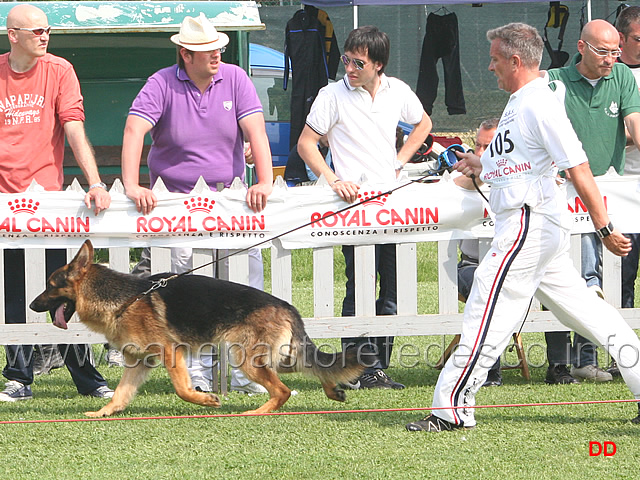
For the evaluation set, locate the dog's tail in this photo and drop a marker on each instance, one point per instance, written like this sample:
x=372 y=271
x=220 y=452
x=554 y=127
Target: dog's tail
x=305 y=357
x=335 y=367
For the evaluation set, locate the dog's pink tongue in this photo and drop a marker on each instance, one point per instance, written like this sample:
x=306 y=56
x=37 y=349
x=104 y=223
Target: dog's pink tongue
x=59 y=320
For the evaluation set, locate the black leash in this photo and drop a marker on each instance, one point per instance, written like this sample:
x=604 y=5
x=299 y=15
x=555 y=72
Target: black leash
x=473 y=179
x=156 y=284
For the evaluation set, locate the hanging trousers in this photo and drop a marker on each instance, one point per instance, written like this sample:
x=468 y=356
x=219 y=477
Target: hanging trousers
x=441 y=41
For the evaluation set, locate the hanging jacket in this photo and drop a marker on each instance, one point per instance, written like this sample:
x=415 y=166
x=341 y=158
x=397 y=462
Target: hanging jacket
x=305 y=53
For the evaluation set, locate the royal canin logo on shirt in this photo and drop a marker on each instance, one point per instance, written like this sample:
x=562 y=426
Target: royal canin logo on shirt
x=506 y=170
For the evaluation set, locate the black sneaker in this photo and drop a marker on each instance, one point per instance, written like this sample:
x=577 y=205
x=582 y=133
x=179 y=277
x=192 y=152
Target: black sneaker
x=637 y=419
x=494 y=379
x=559 y=375
x=378 y=379
x=613 y=370
x=15 y=391
x=432 y=424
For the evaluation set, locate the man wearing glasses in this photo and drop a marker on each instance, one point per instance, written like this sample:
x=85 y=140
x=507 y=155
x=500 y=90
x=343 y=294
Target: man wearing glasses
x=40 y=104
x=601 y=99
x=359 y=115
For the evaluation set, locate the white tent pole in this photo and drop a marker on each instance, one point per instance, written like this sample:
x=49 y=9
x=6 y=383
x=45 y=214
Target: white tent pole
x=588 y=10
x=355 y=17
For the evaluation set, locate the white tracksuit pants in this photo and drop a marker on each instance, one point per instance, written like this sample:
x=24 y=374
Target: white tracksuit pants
x=200 y=364
x=529 y=256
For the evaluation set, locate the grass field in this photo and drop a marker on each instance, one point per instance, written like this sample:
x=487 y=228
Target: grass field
x=544 y=442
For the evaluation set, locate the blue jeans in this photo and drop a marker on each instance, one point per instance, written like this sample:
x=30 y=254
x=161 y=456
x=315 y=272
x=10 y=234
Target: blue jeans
x=375 y=351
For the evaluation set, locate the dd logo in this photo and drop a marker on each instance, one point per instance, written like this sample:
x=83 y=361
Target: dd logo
x=608 y=449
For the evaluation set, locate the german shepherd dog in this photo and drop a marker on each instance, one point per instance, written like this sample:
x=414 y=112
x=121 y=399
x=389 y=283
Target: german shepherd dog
x=266 y=334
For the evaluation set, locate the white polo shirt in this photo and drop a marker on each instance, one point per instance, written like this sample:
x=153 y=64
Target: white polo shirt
x=361 y=130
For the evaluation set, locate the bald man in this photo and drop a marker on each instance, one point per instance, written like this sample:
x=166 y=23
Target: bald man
x=42 y=105
x=601 y=98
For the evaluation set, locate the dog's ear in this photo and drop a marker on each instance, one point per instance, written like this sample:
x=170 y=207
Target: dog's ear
x=84 y=257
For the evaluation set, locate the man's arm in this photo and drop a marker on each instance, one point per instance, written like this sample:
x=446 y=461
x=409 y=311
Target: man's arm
x=587 y=188
x=415 y=139
x=632 y=122
x=255 y=133
x=83 y=153
x=132 y=143
x=308 y=151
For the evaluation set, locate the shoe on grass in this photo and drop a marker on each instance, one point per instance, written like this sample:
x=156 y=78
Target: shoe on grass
x=101 y=392
x=378 y=379
x=559 y=375
x=15 y=391
x=613 y=370
x=432 y=423
x=637 y=419
x=591 y=372
x=240 y=383
x=494 y=379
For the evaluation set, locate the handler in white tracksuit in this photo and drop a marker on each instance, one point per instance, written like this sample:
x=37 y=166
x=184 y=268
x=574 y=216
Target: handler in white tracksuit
x=529 y=254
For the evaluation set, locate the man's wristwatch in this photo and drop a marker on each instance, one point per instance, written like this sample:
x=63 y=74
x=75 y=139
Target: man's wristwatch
x=605 y=231
x=98 y=185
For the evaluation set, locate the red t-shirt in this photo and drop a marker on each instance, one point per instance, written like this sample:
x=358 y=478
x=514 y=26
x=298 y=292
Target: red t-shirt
x=34 y=106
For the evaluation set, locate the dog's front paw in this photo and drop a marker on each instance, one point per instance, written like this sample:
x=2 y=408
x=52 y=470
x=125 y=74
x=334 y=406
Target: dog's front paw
x=212 y=400
x=340 y=396
x=95 y=414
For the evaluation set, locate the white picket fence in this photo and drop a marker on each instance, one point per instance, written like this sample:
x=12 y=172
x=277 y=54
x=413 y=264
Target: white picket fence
x=323 y=324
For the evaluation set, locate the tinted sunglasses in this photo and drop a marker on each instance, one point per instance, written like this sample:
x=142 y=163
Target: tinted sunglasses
x=36 y=31
x=359 y=64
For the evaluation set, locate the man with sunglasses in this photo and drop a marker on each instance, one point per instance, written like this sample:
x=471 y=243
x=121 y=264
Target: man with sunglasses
x=40 y=105
x=601 y=99
x=359 y=115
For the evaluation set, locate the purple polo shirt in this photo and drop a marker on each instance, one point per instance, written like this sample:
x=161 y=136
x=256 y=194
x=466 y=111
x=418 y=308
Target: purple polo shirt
x=196 y=134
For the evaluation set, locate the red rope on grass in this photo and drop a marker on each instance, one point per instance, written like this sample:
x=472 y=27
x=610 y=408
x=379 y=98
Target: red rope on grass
x=317 y=412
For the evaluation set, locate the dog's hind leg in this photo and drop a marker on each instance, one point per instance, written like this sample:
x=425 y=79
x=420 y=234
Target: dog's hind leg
x=131 y=380
x=334 y=392
x=174 y=361
x=278 y=391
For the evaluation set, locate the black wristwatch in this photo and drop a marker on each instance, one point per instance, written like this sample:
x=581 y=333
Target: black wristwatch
x=605 y=231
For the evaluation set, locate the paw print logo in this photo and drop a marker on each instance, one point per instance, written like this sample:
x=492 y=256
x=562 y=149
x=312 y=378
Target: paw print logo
x=199 y=204
x=23 y=205
x=502 y=162
x=373 y=198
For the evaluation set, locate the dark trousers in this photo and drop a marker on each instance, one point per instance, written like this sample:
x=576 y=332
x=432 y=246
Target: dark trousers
x=560 y=350
x=19 y=365
x=630 y=270
x=375 y=351
x=441 y=40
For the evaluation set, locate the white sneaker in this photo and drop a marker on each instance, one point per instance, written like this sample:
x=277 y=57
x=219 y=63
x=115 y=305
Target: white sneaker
x=240 y=383
x=591 y=372
x=201 y=384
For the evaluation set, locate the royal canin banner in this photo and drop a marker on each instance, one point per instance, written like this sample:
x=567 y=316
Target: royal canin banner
x=204 y=218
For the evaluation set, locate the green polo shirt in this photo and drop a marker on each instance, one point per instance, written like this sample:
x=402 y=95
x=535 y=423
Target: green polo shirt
x=597 y=113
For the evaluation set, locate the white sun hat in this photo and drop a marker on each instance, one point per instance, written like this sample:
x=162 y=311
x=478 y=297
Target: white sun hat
x=199 y=35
